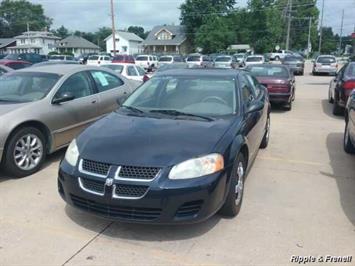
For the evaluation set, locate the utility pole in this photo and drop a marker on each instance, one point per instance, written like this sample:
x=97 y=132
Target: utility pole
x=321 y=29
x=309 y=37
x=113 y=28
x=341 y=31
x=289 y=24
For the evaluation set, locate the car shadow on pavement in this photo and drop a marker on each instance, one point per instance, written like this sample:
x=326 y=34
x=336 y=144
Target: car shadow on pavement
x=343 y=171
x=278 y=108
x=142 y=232
x=327 y=109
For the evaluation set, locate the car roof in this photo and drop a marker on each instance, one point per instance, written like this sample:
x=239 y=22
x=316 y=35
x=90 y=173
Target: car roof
x=195 y=72
x=59 y=69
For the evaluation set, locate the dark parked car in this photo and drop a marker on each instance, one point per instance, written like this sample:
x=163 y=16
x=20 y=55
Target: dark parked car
x=4 y=70
x=129 y=59
x=2 y=56
x=176 y=151
x=295 y=64
x=341 y=86
x=278 y=80
x=349 y=133
x=29 y=57
x=58 y=62
x=15 y=64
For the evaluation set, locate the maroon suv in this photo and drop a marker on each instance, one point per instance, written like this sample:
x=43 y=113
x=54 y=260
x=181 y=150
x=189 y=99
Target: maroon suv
x=129 y=59
x=15 y=64
x=278 y=80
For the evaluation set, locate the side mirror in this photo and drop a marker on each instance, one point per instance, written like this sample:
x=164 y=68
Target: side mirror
x=64 y=97
x=255 y=107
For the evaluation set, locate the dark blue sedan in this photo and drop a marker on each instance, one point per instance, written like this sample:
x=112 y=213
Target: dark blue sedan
x=176 y=151
x=349 y=133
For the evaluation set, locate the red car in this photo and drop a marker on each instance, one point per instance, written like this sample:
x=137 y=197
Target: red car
x=15 y=64
x=123 y=59
x=278 y=80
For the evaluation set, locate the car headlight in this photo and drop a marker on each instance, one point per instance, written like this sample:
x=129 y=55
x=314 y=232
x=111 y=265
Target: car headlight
x=197 y=167
x=72 y=153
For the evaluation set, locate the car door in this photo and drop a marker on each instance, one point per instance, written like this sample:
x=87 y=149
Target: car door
x=71 y=117
x=110 y=88
x=253 y=121
x=337 y=82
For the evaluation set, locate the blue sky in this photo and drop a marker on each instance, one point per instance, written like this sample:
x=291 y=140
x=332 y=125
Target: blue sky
x=88 y=15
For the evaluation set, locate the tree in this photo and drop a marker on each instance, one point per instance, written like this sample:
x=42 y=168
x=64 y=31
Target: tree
x=62 y=32
x=215 y=35
x=329 y=43
x=195 y=13
x=138 y=31
x=16 y=14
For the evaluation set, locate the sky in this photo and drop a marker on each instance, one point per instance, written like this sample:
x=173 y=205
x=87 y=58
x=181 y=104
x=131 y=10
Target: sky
x=89 y=15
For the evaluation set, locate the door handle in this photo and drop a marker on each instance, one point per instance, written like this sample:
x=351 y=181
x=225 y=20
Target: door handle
x=93 y=101
x=124 y=92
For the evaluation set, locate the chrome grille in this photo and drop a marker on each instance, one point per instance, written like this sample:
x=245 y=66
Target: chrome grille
x=92 y=186
x=138 y=172
x=129 y=191
x=96 y=168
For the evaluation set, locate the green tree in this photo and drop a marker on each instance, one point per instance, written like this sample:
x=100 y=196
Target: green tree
x=61 y=32
x=16 y=14
x=138 y=31
x=215 y=35
x=195 y=13
x=329 y=42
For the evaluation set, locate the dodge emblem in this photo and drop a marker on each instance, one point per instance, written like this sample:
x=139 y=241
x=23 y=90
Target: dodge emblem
x=109 y=182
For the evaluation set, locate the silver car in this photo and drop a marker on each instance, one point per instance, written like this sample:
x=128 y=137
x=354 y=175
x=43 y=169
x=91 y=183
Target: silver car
x=325 y=64
x=42 y=109
x=224 y=61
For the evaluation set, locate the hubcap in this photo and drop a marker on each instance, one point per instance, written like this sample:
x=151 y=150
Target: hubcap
x=240 y=185
x=28 y=152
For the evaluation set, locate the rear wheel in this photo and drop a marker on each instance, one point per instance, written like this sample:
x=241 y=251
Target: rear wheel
x=234 y=198
x=348 y=145
x=25 y=152
x=288 y=106
x=330 y=98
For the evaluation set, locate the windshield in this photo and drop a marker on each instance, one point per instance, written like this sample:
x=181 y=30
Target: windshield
x=293 y=58
x=198 y=95
x=239 y=56
x=26 y=86
x=266 y=71
x=326 y=60
x=116 y=68
x=93 y=57
x=223 y=59
x=12 y=56
x=254 y=59
x=166 y=59
x=56 y=57
x=194 y=58
x=142 y=58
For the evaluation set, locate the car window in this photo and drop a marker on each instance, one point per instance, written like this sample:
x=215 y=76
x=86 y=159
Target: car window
x=140 y=70
x=326 y=60
x=78 y=84
x=247 y=93
x=254 y=84
x=105 y=81
x=107 y=58
x=131 y=71
x=142 y=58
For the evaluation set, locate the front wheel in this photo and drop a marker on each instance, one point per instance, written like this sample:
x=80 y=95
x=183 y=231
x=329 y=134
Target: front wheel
x=348 y=145
x=234 y=199
x=266 y=137
x=25 y=152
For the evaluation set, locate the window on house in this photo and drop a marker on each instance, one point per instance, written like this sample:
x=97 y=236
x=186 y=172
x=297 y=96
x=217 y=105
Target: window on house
x=164 y=35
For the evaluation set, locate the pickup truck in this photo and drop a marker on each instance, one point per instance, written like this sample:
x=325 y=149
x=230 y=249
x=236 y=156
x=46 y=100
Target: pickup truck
x=279 y=55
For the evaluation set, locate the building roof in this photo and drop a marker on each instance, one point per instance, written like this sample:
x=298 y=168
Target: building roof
x=37 y=34
x=129 y=36
x=25 y=46
x=178 y=33
x=76 y=42
x=6 y=41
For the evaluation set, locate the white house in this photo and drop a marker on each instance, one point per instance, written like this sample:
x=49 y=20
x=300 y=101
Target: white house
x=77 y=46
x=40 y=42
x=126 y=43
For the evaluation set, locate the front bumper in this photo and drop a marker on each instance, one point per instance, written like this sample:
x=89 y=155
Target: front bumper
x=165 y=202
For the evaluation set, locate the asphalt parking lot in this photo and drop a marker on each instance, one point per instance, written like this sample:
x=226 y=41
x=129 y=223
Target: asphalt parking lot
x=299 y=200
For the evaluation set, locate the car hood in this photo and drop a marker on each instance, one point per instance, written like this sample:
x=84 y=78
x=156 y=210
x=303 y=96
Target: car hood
x=268 y=80
x=144 y=141
x=6 y=107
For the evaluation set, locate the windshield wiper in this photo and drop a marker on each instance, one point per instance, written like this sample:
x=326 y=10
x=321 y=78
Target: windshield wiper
x=134 y=109
x=178 y=113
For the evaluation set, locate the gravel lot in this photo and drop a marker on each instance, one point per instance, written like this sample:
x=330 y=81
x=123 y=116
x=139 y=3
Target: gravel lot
x=299 y=200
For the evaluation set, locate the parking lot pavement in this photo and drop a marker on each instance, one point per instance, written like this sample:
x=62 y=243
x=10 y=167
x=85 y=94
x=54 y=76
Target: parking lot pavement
x=299 y=200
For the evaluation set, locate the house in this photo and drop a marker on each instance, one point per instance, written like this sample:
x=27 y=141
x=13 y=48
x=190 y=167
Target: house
x=167 y=40
x=126 y=43
x=6 y=43
x=40 y=42
x=77 y=46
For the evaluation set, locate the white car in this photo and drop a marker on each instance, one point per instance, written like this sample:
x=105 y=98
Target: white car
x=147 y=61
x=97 y=60
x=169 y=59
x=254 y=60
x=130 y=71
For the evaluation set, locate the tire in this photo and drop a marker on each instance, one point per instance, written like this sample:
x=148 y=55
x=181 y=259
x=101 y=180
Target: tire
x=330 y=98
x=348 y=145
x=337 y=110
x=302 y=73
x=266 y=137
x=314 y=73
x=24 y=140
x=288 y=106
x=233 y=202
